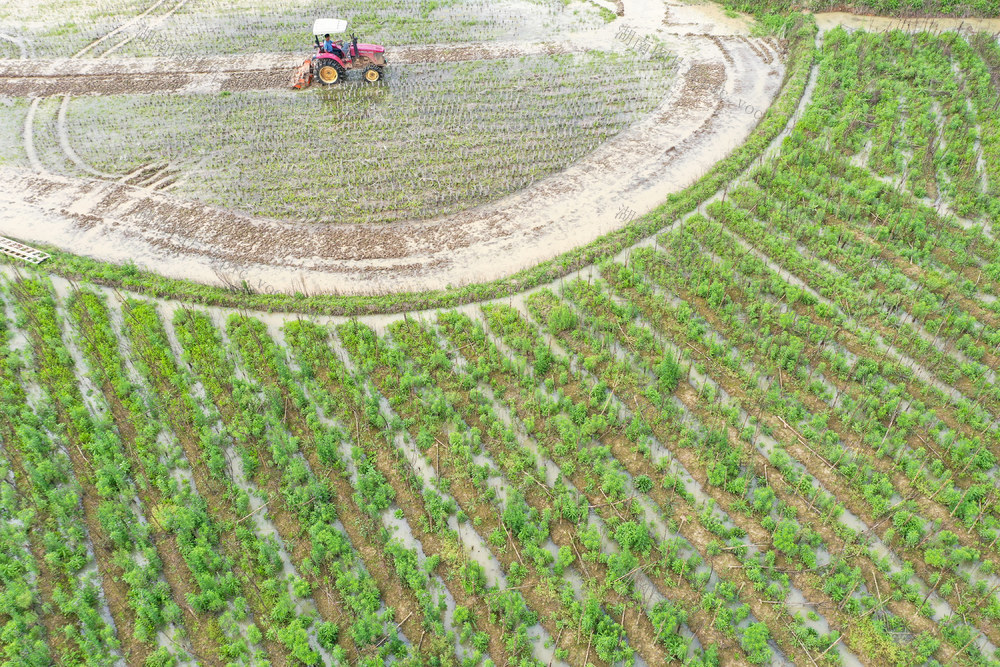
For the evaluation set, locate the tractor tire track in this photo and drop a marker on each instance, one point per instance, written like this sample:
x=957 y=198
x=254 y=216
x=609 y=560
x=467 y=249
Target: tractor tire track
x=117 y=30
x=61 y=131
x=19 y=42
x=64 y=144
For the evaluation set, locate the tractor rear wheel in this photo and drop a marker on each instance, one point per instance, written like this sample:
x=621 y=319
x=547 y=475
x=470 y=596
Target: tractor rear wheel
x=330 y=73
x=372 y=74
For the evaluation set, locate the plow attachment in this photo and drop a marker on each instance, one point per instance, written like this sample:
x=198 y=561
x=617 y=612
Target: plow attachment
x=302 y=78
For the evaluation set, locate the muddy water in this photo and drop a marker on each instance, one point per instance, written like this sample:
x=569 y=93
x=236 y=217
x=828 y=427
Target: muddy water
x=942 y=609
x=400 y=529
x=652 y=515
x=264 y=527
x=170 y=453
x=847 y=518
x=475 y=545
x=829 y=20
x=795 y=596
x=90 y=576
x=904 y=317
x=19 y=344
x=93 y=400
x=764 y=382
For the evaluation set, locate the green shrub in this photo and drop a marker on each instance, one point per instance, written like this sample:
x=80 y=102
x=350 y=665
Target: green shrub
x=562 y=318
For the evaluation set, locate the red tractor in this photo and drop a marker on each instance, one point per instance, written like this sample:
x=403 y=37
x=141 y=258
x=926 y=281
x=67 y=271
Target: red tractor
x=333 y=59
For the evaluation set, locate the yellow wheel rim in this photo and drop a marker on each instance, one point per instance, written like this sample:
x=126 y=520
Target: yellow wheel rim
x=372 y=75
x=328 y=74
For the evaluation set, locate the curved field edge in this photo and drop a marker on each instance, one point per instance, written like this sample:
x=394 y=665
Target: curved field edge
x=801 y=35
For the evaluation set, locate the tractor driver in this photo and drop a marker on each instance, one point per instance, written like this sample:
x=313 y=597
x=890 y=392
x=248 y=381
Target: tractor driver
x=329 y=46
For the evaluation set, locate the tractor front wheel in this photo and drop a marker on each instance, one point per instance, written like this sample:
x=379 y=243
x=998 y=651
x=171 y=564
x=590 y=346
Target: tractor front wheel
x=372 y=74
x=330 y=73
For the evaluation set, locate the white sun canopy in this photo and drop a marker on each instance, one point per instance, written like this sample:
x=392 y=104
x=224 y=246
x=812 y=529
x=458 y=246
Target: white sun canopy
x=332 y=26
